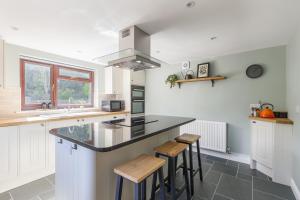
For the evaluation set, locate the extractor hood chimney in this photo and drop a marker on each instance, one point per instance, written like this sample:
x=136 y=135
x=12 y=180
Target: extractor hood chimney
x=134 y=54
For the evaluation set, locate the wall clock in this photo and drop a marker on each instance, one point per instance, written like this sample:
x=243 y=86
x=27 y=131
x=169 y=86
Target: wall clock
x=254 y=71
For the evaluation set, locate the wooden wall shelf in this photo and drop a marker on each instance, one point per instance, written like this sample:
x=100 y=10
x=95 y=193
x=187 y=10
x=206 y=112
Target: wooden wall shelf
x=212 y=79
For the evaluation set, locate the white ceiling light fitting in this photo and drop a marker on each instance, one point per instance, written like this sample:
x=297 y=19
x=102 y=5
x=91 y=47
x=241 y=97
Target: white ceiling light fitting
x=190 y=4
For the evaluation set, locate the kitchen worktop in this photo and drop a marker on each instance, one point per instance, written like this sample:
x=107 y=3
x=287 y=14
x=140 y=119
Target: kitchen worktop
x=273 y=120
x=103 y=137
x=20 y=119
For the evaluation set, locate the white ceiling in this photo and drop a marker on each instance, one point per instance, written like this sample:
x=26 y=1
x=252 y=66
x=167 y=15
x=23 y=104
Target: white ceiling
x=85 y=29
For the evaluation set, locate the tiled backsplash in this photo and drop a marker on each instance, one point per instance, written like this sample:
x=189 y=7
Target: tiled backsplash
x=10 y=101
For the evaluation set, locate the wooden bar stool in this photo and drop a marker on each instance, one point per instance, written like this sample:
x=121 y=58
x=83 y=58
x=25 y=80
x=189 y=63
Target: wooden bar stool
x=137 y=171
x=171 y=150
x=189 y=139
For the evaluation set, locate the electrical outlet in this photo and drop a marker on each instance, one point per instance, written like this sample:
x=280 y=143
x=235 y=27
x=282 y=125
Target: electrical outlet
x=298 y=109
x=257 y=105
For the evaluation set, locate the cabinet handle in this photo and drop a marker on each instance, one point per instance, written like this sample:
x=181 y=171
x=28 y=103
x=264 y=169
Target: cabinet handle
x=74 y=146
x=115 y=117
x=82 y=120
x=78 y=120
x=60 y=141
x=42 y=124
x=254 y=122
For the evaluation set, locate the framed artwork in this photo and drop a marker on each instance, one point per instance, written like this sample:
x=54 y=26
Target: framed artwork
x=202 y=70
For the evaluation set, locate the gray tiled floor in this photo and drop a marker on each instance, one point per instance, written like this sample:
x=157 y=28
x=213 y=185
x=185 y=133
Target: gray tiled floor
x=223 y=180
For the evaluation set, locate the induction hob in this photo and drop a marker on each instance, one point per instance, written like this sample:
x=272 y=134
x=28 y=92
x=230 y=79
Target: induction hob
x=133 y=121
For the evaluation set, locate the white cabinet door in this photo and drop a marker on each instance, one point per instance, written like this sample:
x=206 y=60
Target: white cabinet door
x=32 y=148
x=113 y=80
x=138 y=78
x=1 y=63
x=8 y=153
x=262 y=142
x=65 y=181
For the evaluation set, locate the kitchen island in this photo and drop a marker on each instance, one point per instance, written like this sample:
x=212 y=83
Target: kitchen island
x=86 y=155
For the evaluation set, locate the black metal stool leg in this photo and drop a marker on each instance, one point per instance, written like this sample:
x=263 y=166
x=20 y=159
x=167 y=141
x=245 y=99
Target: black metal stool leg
x=119 y=188
x=199 y=161
x=153 y=186
x=161 y=184
x=144 y=189
x=169 y=175
x=137 y=191
x=191 y=169
x=172 y=178
x=186 y=177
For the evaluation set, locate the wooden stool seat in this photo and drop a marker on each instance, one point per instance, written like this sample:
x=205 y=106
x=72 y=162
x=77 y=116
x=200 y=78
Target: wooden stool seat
x=171 y=148
x=188 y=138
x=140 y=168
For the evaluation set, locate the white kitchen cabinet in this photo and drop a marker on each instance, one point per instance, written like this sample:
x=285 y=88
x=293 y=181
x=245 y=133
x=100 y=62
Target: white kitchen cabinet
x=8 y=154
x=138 y=77
x=78 y=164
x=113 y=80
x=32 y=148
x=271 y=149
x=1 y=63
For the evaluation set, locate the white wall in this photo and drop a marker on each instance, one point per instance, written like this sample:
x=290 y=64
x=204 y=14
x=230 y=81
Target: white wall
x=229 y=100
x=293 y=98
x=12 y=55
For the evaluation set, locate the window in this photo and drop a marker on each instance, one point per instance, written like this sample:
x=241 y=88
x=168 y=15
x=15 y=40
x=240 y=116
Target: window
x=60 y=85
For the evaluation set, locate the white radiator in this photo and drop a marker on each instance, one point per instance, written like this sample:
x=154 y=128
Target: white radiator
x=213 y=134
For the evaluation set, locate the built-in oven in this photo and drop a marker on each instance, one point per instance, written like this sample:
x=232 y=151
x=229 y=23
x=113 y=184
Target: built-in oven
x=137 y=99
x=137 y=106
x=137 y=92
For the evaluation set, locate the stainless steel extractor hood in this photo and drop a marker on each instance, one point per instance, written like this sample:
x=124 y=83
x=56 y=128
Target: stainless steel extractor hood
x=134 y=54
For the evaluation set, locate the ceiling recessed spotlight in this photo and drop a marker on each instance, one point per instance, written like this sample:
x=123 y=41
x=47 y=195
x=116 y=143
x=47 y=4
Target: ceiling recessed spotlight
x=14 y=28
x=213 y=38
x=138 y=61
x=190 y=4
x=152 y=66
x=117 y=66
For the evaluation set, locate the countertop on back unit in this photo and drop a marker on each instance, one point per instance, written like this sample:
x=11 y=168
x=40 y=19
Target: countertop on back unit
x=273 y=120
x=23 y=119
x=106 y=137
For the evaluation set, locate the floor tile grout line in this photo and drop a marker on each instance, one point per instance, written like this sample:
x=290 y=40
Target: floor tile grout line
x=11 y=197
x=217 y=186
x=274 y=195
x=237 y=171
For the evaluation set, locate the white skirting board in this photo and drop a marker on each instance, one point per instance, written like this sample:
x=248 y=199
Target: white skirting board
x=243 y=158
x=295 y=189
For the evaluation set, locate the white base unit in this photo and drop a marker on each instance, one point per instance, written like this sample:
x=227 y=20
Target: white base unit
x=271 y=149
x=27 y=152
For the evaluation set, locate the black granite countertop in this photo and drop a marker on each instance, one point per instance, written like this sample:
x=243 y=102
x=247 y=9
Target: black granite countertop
x=103 y=137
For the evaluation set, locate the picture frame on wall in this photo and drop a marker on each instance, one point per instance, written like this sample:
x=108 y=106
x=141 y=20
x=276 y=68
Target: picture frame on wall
x=202 y=70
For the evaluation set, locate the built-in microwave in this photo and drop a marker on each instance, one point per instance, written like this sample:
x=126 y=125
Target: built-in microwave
x=113 y=105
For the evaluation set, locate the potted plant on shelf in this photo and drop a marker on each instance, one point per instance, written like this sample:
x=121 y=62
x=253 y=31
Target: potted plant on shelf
x=172 y=80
